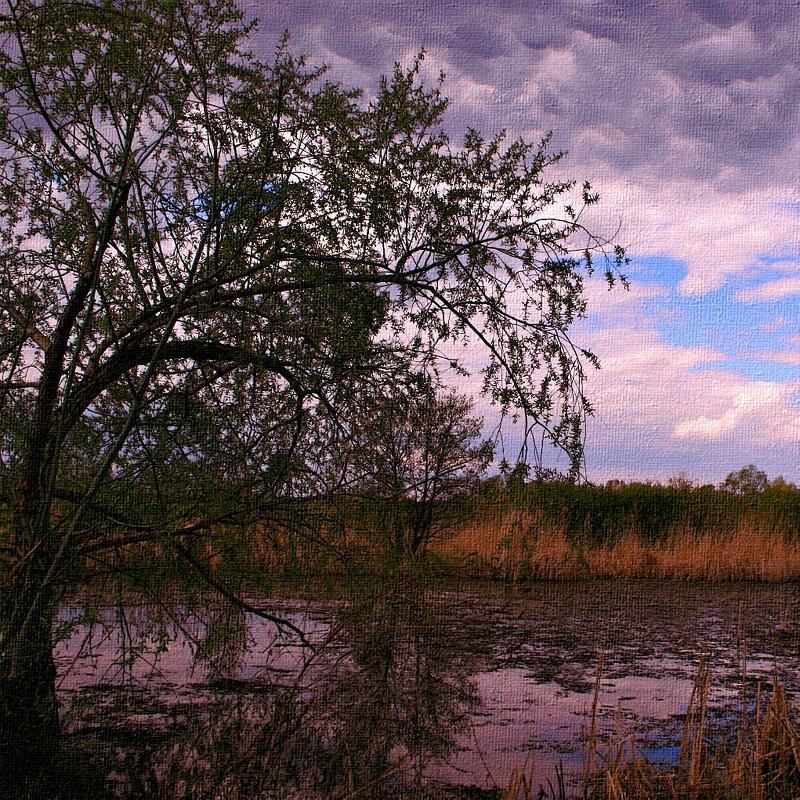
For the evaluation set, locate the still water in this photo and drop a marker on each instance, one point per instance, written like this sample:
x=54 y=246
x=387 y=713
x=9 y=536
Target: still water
x=410 y=691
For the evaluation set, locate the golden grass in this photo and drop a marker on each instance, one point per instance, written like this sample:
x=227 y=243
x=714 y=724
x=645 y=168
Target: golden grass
x=744 y=554
x=764 y=764
x=515 y=546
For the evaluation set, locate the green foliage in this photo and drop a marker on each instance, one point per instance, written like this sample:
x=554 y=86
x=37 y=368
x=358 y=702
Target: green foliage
x=206 y=258
x=599 y=515
x=206 y=261
x=747 y=480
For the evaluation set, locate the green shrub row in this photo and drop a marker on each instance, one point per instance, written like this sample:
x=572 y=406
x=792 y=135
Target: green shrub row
x=599 y=515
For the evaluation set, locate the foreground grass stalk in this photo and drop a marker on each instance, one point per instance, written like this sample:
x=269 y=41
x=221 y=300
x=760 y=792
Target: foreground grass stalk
x=764 y=764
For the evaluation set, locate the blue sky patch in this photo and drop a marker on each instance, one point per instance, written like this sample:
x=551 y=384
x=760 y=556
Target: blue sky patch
x=660 y=270
x=740 y=331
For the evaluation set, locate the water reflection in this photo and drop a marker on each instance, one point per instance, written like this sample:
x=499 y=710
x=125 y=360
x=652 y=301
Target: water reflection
x=404 y=694
x=410 y=692
x=383 y=694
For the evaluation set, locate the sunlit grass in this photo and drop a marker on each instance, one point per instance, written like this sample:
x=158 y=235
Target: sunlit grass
x=522 y=545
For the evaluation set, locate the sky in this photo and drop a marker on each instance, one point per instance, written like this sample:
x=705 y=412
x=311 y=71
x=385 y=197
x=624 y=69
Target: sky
x=684 y=117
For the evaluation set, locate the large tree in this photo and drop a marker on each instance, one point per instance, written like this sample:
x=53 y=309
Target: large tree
x=747 y=480
x=204 y=260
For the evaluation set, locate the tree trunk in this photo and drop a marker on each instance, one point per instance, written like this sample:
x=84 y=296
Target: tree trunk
x=29 y=725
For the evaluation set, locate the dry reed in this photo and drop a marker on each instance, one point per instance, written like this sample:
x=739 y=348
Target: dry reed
x=518 y=545
x=764 y=763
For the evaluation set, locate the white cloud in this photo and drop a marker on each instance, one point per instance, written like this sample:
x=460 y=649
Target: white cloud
x=773 y=290
x=745 y=404
x=776 y=324
x=715 y=234
x=658 y=412
x=791 y=357
x=706 y=427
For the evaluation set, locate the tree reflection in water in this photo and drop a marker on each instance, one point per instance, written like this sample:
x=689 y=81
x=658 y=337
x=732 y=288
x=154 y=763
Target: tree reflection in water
x=403 y=696
x=383 y=696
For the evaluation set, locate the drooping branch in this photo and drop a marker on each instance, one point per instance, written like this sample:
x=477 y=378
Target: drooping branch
x=280 y=622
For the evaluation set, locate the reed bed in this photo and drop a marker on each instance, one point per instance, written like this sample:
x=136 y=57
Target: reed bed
x=762 y=764
x=553 y=531
x=523 y=545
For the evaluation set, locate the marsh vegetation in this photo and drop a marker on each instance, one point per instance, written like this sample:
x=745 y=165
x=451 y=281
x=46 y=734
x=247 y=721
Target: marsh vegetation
x=237 y=302
x=677 y=531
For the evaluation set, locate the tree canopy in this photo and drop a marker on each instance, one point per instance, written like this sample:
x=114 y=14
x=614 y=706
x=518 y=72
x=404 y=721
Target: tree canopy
x=205 y=260
x=747 y=480
x=409 y=452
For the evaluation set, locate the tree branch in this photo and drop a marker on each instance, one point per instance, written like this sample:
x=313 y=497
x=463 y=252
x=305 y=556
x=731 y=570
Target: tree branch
x=132 y=354
x=234 y=598
x=30 y=329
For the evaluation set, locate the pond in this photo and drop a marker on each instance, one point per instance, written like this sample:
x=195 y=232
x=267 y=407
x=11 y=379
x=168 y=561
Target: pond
x=412 y=691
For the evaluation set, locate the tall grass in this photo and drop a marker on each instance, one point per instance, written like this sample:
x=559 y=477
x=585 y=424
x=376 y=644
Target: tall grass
x=533 y=540
x=762 y=763
x=533 y=531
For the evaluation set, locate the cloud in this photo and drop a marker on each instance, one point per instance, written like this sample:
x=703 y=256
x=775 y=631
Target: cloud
x=791 y=357
x=773 y=290
x=775 y=325
x=660 y=411
x=744 y=404
x=684 y=115
x=720 y=86
x=716 y=234
x=706 y=427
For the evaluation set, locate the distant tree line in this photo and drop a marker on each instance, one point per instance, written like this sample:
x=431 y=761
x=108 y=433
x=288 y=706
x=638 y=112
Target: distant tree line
x=601 y=514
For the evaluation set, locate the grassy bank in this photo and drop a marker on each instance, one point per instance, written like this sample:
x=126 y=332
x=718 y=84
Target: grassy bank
x=535 y=531
x=522 y=546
